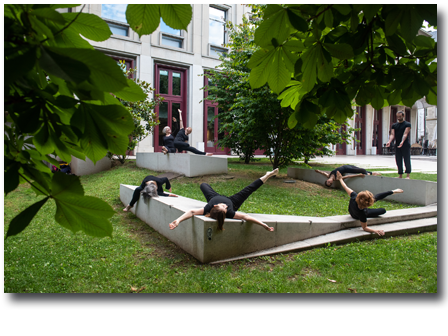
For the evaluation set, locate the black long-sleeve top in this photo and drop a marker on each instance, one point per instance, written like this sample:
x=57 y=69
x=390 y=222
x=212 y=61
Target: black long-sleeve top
x=358 y=213
x=160 y=182
x=181 y=136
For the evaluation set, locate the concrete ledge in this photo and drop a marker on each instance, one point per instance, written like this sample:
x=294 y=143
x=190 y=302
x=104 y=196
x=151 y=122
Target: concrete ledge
x=87 y=167
x=415 y=191
x=199 y=236
x=183 y=163
x=344 y=237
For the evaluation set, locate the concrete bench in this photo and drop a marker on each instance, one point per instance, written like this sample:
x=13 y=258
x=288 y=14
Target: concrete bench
x=415 y=191
x=183 y=163
x=199 y=236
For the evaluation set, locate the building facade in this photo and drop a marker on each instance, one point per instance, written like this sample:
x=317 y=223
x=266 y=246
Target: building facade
x=174 y=62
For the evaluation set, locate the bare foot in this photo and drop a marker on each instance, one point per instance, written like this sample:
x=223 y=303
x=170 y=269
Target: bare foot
x=397 y=191
x=376 y=174
x=273 y=173
x=127 y=208
x=407 y=178
x=208 y=154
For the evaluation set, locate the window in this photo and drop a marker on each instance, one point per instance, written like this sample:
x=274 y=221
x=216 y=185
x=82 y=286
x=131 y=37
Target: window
x=217 y=22
x=169 y=36
x=117 y=13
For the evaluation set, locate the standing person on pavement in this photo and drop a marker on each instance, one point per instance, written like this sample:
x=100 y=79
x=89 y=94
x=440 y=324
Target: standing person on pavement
x=400 y=131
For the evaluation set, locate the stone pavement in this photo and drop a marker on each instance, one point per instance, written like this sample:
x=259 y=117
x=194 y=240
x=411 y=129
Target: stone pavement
x=419 y=163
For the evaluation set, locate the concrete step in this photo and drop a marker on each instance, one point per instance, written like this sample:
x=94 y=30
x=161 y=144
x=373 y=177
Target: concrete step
x=346 y=236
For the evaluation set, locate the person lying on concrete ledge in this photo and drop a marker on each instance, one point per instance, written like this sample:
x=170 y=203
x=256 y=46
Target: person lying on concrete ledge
x=344 y=170
x=152 y=186
x=359 y=204
x=220 y=207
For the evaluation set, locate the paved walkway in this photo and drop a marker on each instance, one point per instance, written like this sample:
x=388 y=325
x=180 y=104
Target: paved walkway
x=423 y=164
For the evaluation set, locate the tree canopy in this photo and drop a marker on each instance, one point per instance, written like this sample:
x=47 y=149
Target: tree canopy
x=322 y=57
x=254 y=118
x=62 y=99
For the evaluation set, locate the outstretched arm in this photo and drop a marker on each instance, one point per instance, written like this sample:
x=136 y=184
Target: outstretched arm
x=323 y=173
x=367 y=229
x=180 y=117
x=339 y=178
x=185 y=216
x=391 y=138
x=246 y=217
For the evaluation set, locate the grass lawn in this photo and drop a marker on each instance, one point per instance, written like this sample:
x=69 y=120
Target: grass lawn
x=48 y=258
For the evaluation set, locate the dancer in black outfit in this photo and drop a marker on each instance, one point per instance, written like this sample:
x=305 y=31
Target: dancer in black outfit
x=181 y=140
x=168 y=141
x=344 y=170
x=400 y=130
x=151 y=186
x=359 y=203
x=220 y=207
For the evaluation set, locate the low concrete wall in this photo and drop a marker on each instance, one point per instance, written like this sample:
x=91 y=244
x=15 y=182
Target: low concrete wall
x=415 y=191
x=199 y=236
x=87 y=167
x=187 y=164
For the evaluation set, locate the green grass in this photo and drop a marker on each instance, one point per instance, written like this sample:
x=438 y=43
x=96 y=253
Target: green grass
x=48 y=258
x=416 y=176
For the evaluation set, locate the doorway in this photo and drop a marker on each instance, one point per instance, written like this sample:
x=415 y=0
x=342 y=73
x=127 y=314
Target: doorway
x=170 y=83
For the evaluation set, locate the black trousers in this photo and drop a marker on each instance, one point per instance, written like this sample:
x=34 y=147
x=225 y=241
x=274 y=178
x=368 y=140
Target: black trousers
x=135 y=196
x=237 y=199
x=171 y=149
x=181 y=146
x=356 y=170
x=403 y=153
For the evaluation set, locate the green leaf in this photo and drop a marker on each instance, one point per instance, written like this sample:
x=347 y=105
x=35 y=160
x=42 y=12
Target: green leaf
x=292 y=120
x=294 y=45
x=341 y=51
x=344 y=9
x=410 y=24
x=431 y=98
x=297 y=21
x=289 y=59
x=279 y=75
x=424 y=41
x=60 y=149
x=378 y=98
x=18 y=66
x=23 y=219
x=49 y=14
x=28 y=120
x=392 y=21
x=90 y=26
x=324 y=68
x=397 y=44
x=309 y=68
x=71 y=39
x=258 y=57
x=370 y=11
x=40 y=27
x=176 y=16
x=420 y=86
x=328 y=18
x=394 y=98
x=131 y=93
x=105 y=74
x=63 y=185
x=63 y=66
x=41 y=141
x=11 y=178
x=143 y=19
x=259 y=75
x=277 y=26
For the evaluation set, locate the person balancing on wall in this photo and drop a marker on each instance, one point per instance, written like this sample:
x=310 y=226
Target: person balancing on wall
x=359 y=204
x=344 y=170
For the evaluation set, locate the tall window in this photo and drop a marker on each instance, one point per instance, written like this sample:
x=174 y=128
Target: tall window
x=217 y=30
x=117 y=13
x=169 y=36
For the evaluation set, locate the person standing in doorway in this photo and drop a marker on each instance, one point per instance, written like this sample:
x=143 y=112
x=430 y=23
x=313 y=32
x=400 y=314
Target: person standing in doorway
x=400 y=131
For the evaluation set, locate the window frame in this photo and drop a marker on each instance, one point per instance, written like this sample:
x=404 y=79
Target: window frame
x=225 y=37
